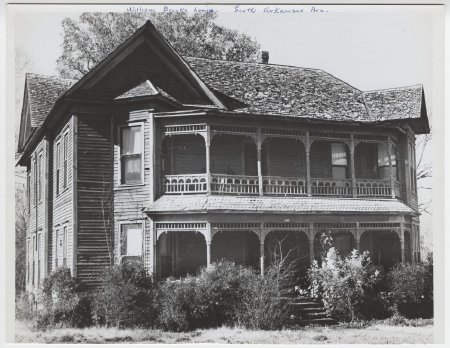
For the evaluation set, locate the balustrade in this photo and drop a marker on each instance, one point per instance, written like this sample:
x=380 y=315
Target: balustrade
x=189 y=183
x=373 y=187
x=330 y=187
x=277 y=185
x=237 y=184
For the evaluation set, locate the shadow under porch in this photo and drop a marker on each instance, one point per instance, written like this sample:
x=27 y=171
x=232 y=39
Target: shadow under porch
x=181 y=249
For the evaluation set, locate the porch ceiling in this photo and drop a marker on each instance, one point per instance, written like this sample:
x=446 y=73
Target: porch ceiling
x=261 y=204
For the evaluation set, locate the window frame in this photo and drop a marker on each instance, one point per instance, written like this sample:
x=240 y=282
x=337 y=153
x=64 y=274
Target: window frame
x=412 y=167
x=340 y=165
x=125 y=223
x=35 y=181
x=29 y=191
x=119 y=159
x=65 y=170
x=39 y=176
x=56 y=247
x=57 y=167
x=65 y=245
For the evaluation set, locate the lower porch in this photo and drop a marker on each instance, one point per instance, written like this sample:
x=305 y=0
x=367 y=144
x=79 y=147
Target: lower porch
x=182 y=248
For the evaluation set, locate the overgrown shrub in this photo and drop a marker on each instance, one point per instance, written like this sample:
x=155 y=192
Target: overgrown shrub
x=349 y=286
x=411 y=289
x=124 y=297
x=25 y=307
x=60 y=302
x=225 y=294
x=261 y=306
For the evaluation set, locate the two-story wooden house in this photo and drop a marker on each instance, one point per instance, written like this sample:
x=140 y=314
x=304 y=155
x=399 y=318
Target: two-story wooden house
x=180 y=162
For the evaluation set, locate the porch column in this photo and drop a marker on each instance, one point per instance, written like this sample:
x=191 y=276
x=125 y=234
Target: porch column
x=154 y=236
x=402 y=240
x=208 y=244
x=208 y=159
x=391 y=173
x=352 y=164
x=258 y=147
x=261 y=256
x=311 y=242
x=308 y=165
x=358 y=237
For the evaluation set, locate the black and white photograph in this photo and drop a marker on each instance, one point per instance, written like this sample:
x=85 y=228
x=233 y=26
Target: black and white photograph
x=225 y=173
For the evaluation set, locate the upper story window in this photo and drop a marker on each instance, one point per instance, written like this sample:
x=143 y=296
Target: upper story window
x=339 y=163
x=412 y=167
x=35 y=181
x=29 y=192
x=131 y=241
x=65 y=150
x=57 y=166
x=131 y=150
x=39 y=177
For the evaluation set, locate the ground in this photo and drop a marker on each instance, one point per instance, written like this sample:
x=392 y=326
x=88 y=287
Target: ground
x=377 y=332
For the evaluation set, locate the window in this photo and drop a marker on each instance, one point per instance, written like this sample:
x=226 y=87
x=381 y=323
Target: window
x=39 y=259
x=66 y=144
x=131 y=242
x=39 y=177
x=394 y=152
x=65 y=246
x=35 y=181
x=28 y=260
x=339 y=161
x=29 y=192
x=57 y=166
x=131 y=155
x=56 y=248
x=412 y=167
x=34 y=267
x=383 y=162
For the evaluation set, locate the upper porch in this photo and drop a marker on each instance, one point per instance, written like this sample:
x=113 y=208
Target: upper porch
x=241 y=160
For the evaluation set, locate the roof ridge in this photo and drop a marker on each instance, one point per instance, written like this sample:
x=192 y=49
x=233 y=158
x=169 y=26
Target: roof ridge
x=394 y=88
x=253 y=63
x=50 y=77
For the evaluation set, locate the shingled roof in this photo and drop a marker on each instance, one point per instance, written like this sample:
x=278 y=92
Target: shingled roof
x=43 y=91
x=261 y=204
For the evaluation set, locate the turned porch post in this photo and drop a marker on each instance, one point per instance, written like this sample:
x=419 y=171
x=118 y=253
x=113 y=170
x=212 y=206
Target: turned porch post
x=208 y=158
x=391 y=173
x=258 y=147
x=262 y=237
x=352 y=164
x=308 y=164
x=358 y=236
x=311 y=242
x=402 y=240
x=208 y=244
x=154 y=239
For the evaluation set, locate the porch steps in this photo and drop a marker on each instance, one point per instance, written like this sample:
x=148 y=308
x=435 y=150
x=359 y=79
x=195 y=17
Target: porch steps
x=306 y=312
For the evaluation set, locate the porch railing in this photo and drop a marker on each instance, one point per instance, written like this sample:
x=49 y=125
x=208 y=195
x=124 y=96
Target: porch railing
x=330 y=187
x=277 y=185
x=237 y=184
x=373 y=187
x=189 y=183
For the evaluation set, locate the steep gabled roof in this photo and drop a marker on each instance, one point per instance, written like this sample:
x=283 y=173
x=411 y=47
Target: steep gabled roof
x=283 y=90
x=395 y=103
x=43 y=91
x=226 y=86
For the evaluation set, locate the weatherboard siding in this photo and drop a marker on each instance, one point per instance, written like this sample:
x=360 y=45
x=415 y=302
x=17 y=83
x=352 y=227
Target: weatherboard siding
x=130 y=200
x=93 y=195
x=63 y=202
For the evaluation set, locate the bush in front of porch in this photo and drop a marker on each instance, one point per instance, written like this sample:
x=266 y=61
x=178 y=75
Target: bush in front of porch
x=225 y=294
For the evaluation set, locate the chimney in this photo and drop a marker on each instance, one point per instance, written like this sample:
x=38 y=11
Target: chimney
x=265 y=57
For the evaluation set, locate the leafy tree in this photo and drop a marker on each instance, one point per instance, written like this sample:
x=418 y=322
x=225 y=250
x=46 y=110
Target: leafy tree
x=93 y=36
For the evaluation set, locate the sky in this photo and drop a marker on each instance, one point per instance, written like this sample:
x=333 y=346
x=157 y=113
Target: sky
x=369 y=47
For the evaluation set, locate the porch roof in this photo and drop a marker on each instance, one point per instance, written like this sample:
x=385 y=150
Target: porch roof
x=283 y=205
